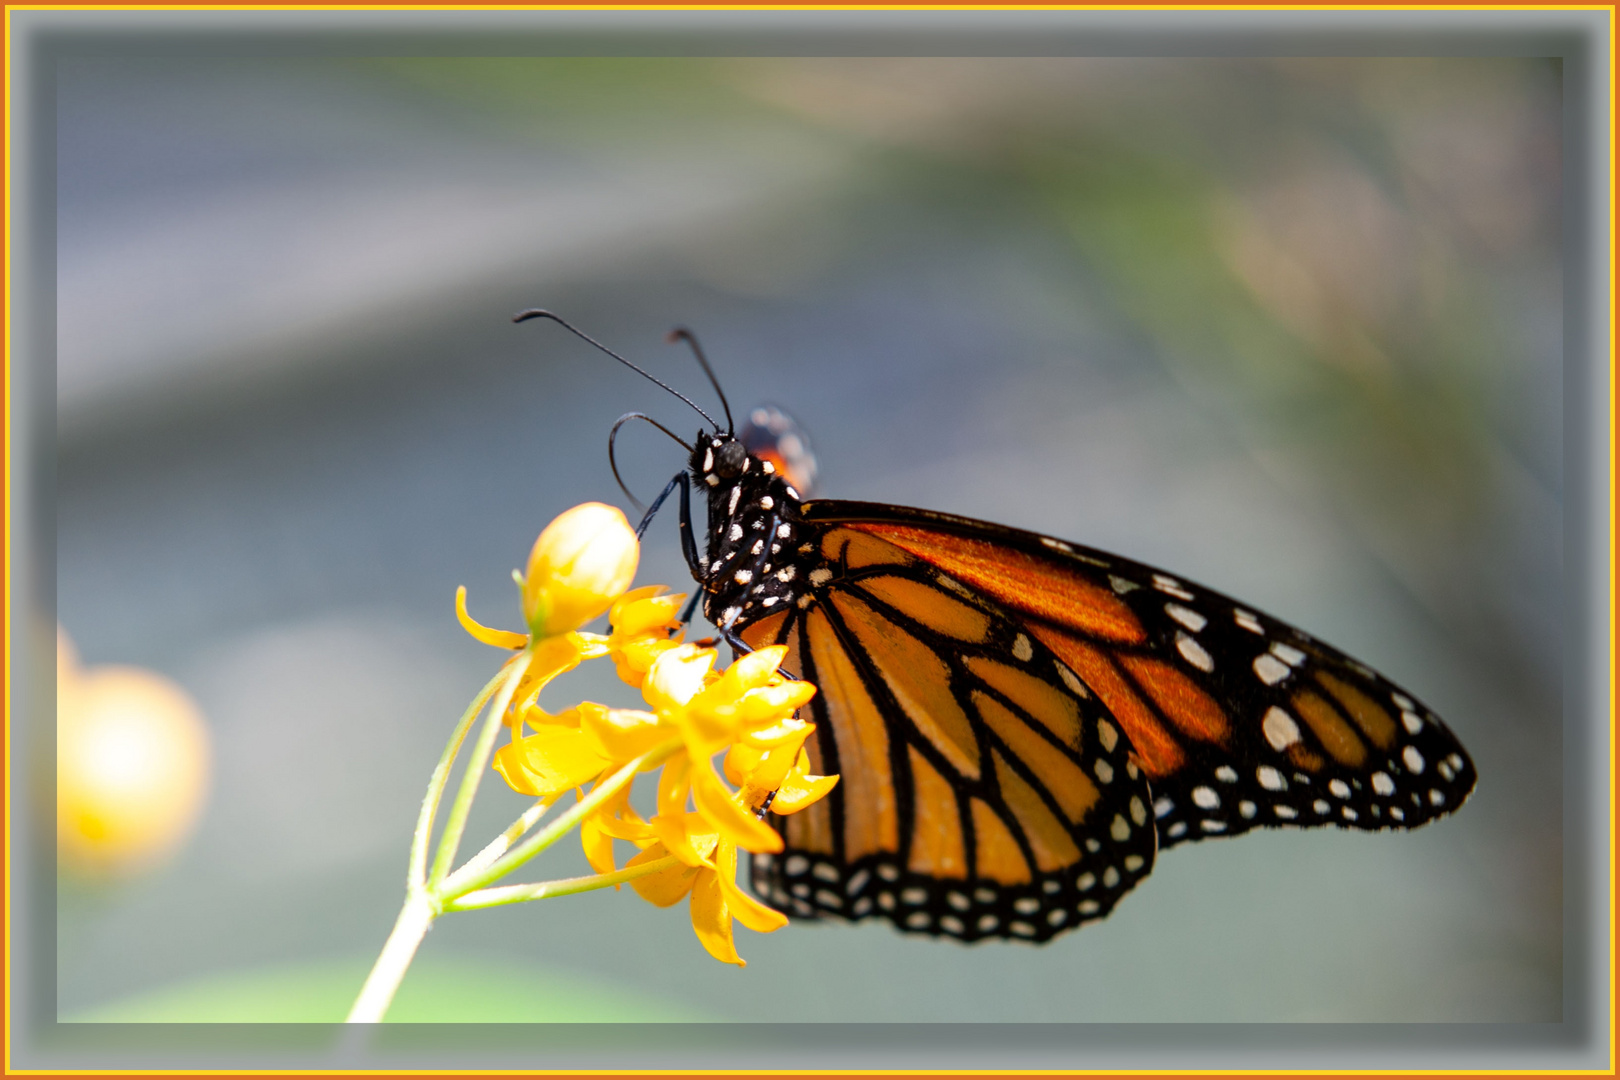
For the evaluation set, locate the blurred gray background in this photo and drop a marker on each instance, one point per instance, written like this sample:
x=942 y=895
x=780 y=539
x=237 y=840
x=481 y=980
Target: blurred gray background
x=1291 y=329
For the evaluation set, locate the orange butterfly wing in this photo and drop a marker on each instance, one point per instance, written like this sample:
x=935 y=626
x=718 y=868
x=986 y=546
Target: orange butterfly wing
x=1238 y=719
x=984 y=791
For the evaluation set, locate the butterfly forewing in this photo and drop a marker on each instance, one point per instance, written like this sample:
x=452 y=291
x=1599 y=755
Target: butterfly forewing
x=1238 y=719
x=984 y=793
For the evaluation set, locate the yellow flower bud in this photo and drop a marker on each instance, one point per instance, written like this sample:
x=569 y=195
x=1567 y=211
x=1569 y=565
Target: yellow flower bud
x=579 y=566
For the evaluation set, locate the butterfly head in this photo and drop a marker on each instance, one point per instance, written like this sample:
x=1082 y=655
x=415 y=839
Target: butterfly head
x=770 y=444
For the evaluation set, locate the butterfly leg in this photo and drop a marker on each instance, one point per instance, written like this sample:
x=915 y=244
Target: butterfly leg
x=688 y=543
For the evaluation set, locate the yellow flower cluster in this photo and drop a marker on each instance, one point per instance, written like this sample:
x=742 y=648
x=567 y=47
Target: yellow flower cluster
x=580 y=567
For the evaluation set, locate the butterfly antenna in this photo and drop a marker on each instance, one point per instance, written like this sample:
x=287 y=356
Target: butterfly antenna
x=614 y=434
x=681 y=333
x=541 y=313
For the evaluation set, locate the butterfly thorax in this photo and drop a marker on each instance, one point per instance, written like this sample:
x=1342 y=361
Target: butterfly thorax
x=760 y=549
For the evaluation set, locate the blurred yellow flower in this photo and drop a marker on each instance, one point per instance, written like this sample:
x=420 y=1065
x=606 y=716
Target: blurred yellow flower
x=132 y=763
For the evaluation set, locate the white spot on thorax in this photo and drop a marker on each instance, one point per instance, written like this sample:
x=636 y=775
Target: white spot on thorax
x=735 y=533
x=708 y=459
x=736 y=497
x=766 y=502
x=743 y=577
x=786 y=573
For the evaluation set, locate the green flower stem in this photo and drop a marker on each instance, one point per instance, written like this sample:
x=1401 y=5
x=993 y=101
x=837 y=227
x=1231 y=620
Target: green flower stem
x=503 y=843
x=517 y=894
x=386 y=974
x=441 y=772
x=463 y=884
x=456 y=823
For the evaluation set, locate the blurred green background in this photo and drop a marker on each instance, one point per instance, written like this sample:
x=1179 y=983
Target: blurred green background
x=1291 y=329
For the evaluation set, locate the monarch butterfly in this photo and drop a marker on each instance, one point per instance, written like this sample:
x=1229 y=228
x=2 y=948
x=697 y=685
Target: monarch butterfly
x=1022 y=723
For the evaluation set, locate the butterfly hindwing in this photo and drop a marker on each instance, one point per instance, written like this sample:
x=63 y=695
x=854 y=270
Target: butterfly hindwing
x=1238 y=719
x=984 y=793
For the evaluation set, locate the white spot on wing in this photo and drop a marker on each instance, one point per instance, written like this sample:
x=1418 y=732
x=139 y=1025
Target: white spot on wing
x=1270 y=669
x=1056 y=545
x=1383 y=784
x=820 y=576
x=1194 y=653
x=1076 y=687
x=1280 y=730
x=1021 y=648
x=1286 y=653
x=1270 y=778
x=1186 y=616
x=1107 y=735
x=1121 y=586
x=1205 y=798
x=1167 y=584
x=1412 y=759
x=1248 y=620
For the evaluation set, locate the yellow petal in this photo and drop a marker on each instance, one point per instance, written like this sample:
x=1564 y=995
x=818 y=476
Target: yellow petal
x=779 y=701
x=552 y=762
x=501 y=639
x=735 y=823
x=787 y=732
x=677 y=676
x=665 y=888
x=621 y=734
x=598 y=845
x=756 y=668
x=646 y=615
x=744 y=908
x=774 y=765
x=799 y=791
x=741 y=760
x=711 y=919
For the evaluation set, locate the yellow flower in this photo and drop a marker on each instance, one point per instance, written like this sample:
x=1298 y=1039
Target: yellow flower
x=580 y=564
x=132 y=767
x=709 y=876
x=641 y=622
